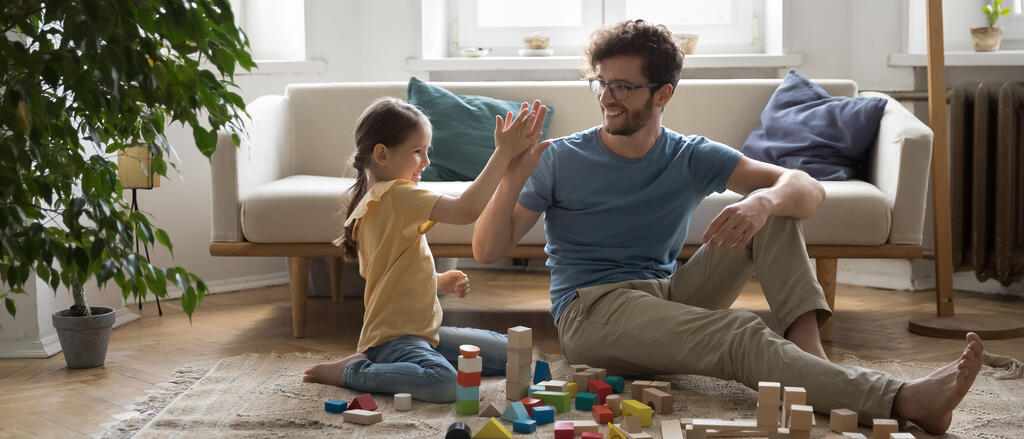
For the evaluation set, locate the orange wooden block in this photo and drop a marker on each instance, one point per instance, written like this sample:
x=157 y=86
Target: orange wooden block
x=469 y=351
x=469 y=379
x=602 y=414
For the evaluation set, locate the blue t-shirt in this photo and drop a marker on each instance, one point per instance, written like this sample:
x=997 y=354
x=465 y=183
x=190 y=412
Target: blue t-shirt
x=609 y=218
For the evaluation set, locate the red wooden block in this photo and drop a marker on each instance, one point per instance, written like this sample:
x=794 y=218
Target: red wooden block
x=469 y=379
x=563 y=429
x=363 y=402
x=601 y=388
x=602 y=414
x=530 y=403
x=591 y=435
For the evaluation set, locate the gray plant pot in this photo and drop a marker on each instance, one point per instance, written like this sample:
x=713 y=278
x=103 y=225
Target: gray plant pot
x=84 y=339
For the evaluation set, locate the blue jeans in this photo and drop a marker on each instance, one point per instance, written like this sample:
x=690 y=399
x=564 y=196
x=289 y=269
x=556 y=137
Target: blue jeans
x=408 y=364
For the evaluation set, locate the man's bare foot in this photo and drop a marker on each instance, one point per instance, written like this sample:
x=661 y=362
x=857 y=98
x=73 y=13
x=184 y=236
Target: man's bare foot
x=929 y=401
x=804 y=333
x=330 y=372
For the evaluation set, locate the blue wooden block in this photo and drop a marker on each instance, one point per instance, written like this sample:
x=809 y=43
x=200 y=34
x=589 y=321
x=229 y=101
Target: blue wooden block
x=535 y=388
x=335 y=405
x=541 y=372
x=585 y=400
x=618 y=383
x=524 y=426
x=467 y=393
x=515 y=411
x=544 y=414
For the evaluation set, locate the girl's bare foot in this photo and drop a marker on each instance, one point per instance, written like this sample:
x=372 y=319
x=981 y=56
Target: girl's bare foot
x=330 y=372
x=929 y=401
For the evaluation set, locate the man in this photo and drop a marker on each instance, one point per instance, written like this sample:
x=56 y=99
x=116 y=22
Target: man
x=618 y=200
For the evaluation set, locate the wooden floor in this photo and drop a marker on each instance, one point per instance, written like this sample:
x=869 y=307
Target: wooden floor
x=42 y=398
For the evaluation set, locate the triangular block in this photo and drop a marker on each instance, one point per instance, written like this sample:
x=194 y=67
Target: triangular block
x=363 y=402
x=491 y=411
x=615 y=433
x=493 y=430
x=514 y=412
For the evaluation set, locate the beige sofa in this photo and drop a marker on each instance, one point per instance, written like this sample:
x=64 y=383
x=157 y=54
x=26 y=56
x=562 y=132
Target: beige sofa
x=278 y=194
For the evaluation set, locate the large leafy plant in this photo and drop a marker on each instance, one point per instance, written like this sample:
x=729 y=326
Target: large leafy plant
x=83 y=80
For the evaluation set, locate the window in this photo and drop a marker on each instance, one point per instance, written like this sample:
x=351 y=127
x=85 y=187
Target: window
x=276 y=28
x=723 y=26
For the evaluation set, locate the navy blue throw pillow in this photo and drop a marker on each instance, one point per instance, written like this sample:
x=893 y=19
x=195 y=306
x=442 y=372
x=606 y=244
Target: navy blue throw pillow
x=802 y=127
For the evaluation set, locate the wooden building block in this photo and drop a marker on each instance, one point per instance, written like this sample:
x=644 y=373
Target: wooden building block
x=631 y=424
x=602 y=414
x=842 y=420
x=577 y=368
x=790 y=396
x=525 y=426
x=544 y=414
x=471 y=407
x=781 y=433
x=564 y=430
x=636 y=388
x=585 y=401
x=335 y=405
x=615 y=433
x=901 y=436
x=601 y=388
x=520 y=337
x=556 y=386
x=591 y=435
x=671 y=429
x=580 y=426
x=520 y=356
x=632 y=407
x=800 y=417
x=854 y=435
x=518 y=373
x=541 y=371
x=490 y=411
x=516 y=391
x=695 y=433
x=614 y=402
x=515 y=411
x=661 y=401
x=403 y=401
x=467 y=393
x=493 y=430
x=882 y=428
x=768 y=415
x=475 y=364
x=363 y=402
x=601 y=373
x=469 y=351
x=664 y=386
x=466 y=379
x=363 y=417
x=458 y=430
x=768 y=393
x=530 y=404
x=618 y=383
x=559 y=400
x=582 y=379
x=572 y=388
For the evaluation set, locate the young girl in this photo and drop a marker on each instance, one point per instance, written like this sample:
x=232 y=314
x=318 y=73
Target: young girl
x=402 y=347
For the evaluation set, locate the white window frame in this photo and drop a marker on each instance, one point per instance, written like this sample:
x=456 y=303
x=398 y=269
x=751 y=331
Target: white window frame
x=744 y=35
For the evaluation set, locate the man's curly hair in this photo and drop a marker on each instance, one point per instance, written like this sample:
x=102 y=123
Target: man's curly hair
x=663 y=61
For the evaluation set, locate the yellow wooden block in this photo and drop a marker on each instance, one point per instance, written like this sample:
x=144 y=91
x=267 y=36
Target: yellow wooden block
x=643 y=412
x=493 y=430
x=573 y=389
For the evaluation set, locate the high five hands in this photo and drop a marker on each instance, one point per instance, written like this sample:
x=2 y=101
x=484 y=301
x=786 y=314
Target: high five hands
x=518 y=135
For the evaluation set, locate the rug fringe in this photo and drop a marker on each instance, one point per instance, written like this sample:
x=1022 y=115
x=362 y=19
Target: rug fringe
x=1006 y=368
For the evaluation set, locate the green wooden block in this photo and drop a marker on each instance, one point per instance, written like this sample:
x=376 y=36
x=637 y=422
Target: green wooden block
x=471 y=407
x=585 y=401
x=561 y=401
x=618 y=383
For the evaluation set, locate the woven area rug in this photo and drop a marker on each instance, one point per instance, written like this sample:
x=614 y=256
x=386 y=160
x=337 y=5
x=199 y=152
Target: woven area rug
x=261 y=395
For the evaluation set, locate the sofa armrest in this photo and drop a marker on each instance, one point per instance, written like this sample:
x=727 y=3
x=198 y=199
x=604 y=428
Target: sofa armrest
x=899 y=167
x=262 y=157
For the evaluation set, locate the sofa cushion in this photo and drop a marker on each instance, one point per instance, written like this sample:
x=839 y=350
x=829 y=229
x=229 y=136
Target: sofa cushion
x=463 y=138
x=802 y=127
x=305 y=208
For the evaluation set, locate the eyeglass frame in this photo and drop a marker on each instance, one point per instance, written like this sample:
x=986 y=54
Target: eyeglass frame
x=628 y=88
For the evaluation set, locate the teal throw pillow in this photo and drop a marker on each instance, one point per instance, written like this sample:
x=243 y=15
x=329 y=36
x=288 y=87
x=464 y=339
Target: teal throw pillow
x=463 y=138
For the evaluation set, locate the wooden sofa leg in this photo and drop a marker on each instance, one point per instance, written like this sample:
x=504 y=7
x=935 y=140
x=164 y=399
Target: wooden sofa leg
x=337 y=265
x=299 y=272
x=826 y=268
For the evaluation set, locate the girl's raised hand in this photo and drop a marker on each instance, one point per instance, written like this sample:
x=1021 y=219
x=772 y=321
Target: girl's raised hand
x=514 y=136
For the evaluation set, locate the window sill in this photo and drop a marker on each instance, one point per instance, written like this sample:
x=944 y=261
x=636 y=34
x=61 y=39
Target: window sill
x=576 y=62
x=955 y=59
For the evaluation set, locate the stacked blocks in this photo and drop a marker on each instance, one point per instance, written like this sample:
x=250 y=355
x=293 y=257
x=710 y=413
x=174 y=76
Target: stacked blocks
x=517 y=369
x=768 y=394
x=800 y=419
x=467 y=391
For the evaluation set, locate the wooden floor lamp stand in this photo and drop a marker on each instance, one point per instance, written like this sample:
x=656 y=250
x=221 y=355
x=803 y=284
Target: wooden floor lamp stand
x=946 y=323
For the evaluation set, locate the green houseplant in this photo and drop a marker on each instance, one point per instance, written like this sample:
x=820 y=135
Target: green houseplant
x=987 y=38
x=83 y=80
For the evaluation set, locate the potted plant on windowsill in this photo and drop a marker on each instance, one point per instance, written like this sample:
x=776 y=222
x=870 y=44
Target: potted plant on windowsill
x=84 y=80
x=987 y=38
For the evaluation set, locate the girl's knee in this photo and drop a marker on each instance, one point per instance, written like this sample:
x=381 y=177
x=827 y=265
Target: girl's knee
x=439 y=385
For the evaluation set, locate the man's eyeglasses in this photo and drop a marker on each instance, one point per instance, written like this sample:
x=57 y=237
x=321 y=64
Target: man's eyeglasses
x=619 y=91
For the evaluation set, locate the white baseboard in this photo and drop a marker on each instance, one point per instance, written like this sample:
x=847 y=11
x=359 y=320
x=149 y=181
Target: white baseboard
x=233 y=284
x=124 y=315
x=44 y=348
x=966 y=281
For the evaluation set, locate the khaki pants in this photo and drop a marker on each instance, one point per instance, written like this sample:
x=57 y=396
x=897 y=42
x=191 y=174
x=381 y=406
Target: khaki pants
x=683 y=325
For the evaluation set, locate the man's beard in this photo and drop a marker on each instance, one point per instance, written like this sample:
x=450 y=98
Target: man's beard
x=635 y=121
